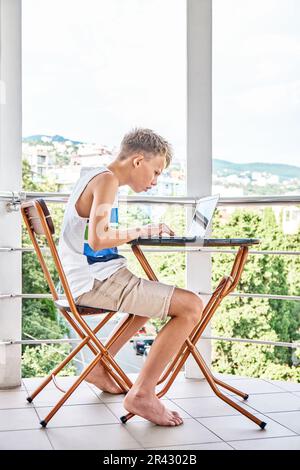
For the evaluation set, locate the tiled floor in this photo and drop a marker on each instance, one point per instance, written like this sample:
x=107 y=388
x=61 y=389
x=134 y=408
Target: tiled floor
x=90 y=419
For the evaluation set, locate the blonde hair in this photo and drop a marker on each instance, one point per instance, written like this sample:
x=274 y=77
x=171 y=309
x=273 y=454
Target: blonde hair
x=146 y=141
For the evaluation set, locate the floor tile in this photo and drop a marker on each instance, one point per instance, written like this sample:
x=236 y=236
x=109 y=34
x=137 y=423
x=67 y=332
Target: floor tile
x=81 y=396
x=150 y=435
x=190 y=389
x=209 y=406
x=79 y=415
x=109 y=436
x=278 y=443
x=230 y=428
x=208 y=446
x=31 y=384
x=250 y=386
x=24 y=440
x=182 y=378
x=13 y=400
x=18 y=419
x=271 y=402
x=90 y=418
x=109 y=398
x=228 y=376
x=285 y=385
x=289 y=419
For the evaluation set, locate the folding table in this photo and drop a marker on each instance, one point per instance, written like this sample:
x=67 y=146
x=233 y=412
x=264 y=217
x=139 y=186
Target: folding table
x=226 y=285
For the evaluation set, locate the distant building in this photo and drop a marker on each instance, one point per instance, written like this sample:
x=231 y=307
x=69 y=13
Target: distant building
x=65 y=177
x=290 y=220
x=90 y=160
x=40 y=163
x=231 y=191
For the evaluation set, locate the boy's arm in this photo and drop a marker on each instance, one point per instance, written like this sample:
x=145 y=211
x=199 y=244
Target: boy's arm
x=101 y=235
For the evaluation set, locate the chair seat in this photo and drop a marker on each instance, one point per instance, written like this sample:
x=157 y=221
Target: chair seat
x=82 y=309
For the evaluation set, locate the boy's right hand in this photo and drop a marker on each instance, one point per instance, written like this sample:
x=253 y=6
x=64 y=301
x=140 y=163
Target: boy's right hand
x=155 y=230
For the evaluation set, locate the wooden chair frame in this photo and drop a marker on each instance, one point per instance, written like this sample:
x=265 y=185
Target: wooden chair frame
x=39 y=222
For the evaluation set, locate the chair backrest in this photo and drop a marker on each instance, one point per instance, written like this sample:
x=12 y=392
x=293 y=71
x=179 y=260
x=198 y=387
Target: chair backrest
x=34 y=216
x=38 y=221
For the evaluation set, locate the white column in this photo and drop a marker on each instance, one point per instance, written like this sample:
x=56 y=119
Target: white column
x=10 y=180
x=199 y=145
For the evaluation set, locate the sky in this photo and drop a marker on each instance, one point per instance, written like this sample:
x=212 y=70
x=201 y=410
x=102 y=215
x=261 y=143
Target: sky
x=94 y=69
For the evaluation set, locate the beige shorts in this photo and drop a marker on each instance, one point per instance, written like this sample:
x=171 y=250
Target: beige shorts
x=125 y=292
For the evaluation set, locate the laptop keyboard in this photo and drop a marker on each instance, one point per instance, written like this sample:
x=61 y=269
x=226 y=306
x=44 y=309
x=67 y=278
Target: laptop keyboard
x=174 y=239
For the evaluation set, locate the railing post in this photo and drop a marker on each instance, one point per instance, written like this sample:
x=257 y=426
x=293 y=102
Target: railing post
x=10 y=179
x=199 y=144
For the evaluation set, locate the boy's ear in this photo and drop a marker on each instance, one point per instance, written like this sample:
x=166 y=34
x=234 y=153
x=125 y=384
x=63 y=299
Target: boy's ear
x=137 y=159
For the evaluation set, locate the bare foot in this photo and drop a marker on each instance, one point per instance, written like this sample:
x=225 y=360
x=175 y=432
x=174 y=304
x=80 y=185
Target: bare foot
x=148 y=406
x=101 y=379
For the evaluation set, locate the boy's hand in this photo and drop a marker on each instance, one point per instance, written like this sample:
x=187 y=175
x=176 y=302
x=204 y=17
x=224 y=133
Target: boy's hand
x=154 y=230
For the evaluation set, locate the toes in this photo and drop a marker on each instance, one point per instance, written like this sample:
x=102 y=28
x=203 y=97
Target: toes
x=174 y=418
x=172 y=422
x=178 y=421
x=177 y=417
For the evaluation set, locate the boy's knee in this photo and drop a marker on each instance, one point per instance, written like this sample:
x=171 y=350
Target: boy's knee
x=195 y=308
x=186 y=304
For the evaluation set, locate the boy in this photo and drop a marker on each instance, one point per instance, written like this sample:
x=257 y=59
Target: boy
x=98 y=275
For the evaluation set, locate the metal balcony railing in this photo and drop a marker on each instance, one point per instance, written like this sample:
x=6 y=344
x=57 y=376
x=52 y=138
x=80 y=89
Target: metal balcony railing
x=13 y=200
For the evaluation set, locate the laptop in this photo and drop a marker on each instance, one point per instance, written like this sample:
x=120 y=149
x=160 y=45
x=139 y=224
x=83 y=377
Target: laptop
x=199 y=226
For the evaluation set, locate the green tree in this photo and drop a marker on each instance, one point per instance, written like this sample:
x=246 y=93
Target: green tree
x=257 y=318
x=41 y=360
x=240 y=317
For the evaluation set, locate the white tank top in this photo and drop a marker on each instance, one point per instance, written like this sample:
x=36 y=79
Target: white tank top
x=81 y=264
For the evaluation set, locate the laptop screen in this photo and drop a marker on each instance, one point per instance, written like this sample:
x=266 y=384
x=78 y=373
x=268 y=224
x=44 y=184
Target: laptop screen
x=203 y=215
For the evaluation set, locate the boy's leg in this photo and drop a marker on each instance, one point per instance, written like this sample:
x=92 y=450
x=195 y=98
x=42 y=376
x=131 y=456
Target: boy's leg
x=99 y=376
x=185 y=311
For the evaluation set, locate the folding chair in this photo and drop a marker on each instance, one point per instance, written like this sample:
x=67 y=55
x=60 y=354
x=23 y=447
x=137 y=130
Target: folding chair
x=39 y=223
x=225 y=286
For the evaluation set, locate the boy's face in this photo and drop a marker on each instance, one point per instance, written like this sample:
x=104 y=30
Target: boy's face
x=145 y=172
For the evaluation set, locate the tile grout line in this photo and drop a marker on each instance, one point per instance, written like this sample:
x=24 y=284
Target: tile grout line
x=275 y=412
x=179 y=426
x=256 y=438
x=220 y=416
x=193 y=444
x=228 y=394
x=262 y=439
x=126 y=427
x=195 y=419
x=33 y=406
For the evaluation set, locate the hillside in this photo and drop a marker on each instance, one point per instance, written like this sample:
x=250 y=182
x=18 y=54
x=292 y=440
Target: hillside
x=42 y=139
x=223 y=167
x=220 y=167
